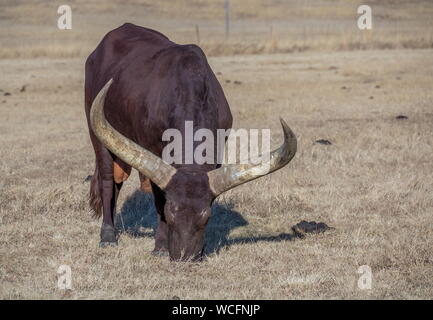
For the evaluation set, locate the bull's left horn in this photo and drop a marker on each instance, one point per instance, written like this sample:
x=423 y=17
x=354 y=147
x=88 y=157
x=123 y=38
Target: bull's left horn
x=131 y=153
x=229 y=176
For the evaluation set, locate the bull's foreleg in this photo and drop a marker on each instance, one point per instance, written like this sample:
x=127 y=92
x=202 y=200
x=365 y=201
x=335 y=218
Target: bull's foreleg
x=109 y=192
x=112 y=177
x=161 y=235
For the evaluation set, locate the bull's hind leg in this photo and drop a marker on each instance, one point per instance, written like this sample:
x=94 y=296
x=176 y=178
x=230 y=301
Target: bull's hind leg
x=109 y=193
x=111 y=175
x=120 y=173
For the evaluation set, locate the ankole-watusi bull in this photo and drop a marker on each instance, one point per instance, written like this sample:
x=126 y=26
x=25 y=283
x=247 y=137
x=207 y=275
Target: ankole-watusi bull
x=138 y=84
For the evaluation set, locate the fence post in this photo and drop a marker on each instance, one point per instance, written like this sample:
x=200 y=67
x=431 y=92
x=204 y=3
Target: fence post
x=227 y=18
x=197 y=33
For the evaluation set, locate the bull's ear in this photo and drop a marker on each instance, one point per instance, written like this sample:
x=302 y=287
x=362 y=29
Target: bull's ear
x=131 y=153
x=229 y=176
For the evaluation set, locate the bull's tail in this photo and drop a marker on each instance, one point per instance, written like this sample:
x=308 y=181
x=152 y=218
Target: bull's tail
x=95 y=200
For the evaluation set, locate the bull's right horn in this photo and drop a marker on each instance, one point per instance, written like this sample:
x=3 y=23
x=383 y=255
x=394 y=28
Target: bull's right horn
x=128 y=151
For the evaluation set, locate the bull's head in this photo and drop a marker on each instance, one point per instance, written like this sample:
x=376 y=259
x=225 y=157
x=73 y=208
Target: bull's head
x=189 y=193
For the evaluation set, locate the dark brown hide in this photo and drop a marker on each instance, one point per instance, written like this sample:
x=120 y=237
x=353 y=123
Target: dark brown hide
x=157 y=85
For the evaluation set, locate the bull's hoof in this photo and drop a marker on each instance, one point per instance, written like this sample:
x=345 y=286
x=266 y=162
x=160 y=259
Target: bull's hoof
x=108 y=236
x=160 y=253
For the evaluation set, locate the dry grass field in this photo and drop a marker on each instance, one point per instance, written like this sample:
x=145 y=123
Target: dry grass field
x=373 y=184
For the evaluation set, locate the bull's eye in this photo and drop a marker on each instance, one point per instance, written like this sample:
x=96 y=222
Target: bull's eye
x=203 y=213
x=170 y=206
x=204 y=217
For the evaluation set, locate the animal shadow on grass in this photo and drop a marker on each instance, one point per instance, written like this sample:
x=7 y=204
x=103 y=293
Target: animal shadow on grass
x=138 y=218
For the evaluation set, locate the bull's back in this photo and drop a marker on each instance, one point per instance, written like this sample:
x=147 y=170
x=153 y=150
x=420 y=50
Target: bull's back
x=119 y=48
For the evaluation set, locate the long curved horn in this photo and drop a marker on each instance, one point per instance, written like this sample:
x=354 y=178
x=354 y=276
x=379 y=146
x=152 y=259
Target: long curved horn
x=232 y=175
x=131 y=153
